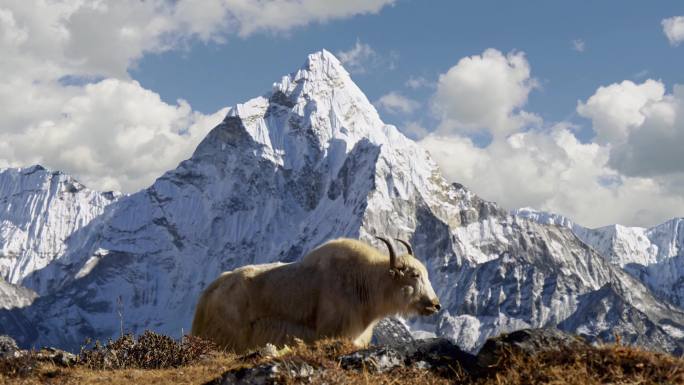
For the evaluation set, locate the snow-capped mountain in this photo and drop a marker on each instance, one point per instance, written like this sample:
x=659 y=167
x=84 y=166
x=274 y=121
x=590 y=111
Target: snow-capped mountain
x=653 y=255
x=39 y=210
x=309 y=161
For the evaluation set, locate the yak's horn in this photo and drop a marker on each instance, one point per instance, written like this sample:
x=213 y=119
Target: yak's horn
x=392 y=253
x=406 y=245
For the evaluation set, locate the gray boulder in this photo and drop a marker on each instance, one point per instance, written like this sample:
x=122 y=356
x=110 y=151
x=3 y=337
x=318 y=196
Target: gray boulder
x=8 y=346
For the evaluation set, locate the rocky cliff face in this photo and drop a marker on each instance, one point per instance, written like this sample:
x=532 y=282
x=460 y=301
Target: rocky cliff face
x=654 y=256
x=309 y=161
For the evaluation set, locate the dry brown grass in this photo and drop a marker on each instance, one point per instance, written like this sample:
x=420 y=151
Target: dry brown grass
x=197 y=373
x=613 y=364
x=610 y=364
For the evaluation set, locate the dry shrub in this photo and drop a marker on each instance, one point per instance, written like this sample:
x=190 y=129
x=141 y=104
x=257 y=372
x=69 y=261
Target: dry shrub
x=21 y=366
x=149 y=351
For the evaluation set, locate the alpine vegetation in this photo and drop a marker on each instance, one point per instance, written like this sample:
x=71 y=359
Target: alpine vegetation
x=339 y=290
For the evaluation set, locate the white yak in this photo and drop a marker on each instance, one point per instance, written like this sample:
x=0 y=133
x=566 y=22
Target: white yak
x=339 y=290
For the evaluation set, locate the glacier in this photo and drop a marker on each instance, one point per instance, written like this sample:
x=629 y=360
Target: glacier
x=308 y=161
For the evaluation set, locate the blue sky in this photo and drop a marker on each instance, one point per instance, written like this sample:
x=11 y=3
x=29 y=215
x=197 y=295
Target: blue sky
x=571 y=107
x=622 y=40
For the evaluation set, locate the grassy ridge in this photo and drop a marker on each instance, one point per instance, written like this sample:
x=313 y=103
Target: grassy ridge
x=155 y=359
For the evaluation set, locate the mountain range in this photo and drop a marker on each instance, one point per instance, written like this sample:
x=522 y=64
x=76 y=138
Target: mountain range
x=311 y=160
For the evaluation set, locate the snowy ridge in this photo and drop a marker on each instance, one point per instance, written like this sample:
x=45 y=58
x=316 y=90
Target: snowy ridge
x=653 y=255
x=39 y=209
x=309 y=161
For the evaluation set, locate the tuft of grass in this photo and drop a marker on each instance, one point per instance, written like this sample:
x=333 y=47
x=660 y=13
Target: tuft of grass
x=149 y=351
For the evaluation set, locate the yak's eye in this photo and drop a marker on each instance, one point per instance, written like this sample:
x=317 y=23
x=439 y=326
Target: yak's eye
x=415 y=275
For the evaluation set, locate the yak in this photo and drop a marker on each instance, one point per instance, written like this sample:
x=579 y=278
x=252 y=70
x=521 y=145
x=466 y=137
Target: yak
x=339 y=290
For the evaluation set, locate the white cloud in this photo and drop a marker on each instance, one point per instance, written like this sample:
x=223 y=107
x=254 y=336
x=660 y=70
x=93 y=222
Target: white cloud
x=553 y=171
x=282 y=15
x=618 y=108
x=673 y=28
x=644 y=127
x=417 y=82
x=485 y=93
x=358 y=58
x=114 y=133
x=632 y=174
x=394 y=102
x=578 y=45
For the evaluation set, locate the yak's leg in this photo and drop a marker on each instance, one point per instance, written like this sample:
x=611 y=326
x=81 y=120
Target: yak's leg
x=279 y=332
x=364 y=339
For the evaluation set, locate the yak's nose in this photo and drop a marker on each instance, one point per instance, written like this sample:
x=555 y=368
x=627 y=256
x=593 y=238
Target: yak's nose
x=435 y=304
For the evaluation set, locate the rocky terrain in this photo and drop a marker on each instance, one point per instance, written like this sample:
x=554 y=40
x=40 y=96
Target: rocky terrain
x=522 y=357
x=309 y=161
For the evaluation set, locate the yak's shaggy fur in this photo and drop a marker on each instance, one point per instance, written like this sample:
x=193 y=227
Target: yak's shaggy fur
x=339 y=290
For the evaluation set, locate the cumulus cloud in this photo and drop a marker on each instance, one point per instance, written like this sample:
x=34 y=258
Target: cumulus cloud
x=395 y=103
x=631 y=173
x=113 y=134
x=673 y=28
x=485 y=93
x=618 y=108
x=555 y=172
x=281 y=15
x=644 y=126
x=68 y=100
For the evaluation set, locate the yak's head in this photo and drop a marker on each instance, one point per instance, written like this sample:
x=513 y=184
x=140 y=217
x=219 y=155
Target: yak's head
x=411 y=279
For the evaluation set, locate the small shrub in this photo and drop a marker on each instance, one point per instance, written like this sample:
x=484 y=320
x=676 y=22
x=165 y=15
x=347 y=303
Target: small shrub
x=149 y=351
x=21 y=366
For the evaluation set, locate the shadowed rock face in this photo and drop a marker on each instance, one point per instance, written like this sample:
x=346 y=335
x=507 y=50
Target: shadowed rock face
x=308 y=162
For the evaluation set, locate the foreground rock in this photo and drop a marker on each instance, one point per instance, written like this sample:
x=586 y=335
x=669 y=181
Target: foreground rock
x=271 y=373
x=8 y=346
x=433 y=353
x=528 y=342
x=439 y=356
x=9 y=350
x=391 y=331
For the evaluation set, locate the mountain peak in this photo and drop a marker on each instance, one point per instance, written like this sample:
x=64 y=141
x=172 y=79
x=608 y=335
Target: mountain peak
x=324 y=62
x=309 y=109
